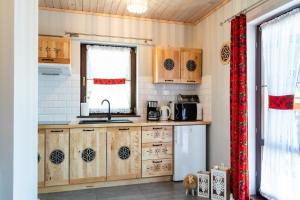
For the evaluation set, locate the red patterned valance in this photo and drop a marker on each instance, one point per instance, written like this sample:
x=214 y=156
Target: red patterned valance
x=285 y=102
x=101 y=81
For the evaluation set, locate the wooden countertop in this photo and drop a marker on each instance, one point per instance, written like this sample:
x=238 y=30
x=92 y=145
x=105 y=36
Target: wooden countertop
x=137 y=123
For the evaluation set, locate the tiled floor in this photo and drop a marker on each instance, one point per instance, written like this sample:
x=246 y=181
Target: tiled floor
x=152 y=191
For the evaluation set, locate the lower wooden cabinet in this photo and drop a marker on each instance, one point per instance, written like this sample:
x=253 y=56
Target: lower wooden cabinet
x=41 y=158
x=162 y=167
x=87 y=155
x=123 y=153
x=157 y=151
x=57 y=157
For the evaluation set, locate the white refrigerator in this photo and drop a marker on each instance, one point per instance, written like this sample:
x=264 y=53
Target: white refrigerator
x=189 y=150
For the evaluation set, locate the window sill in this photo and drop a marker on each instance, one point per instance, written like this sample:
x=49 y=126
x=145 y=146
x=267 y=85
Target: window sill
x=112 y=115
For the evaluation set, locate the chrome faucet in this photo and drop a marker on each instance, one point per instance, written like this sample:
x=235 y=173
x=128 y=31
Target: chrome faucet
x=108 y=114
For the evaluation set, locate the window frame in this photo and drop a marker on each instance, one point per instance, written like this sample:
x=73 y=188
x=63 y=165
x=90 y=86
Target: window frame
x=83 y=80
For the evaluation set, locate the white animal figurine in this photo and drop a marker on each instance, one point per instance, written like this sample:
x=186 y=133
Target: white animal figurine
x=190 y=183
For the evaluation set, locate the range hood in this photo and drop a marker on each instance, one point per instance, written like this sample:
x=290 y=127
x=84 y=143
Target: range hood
x=55 y=69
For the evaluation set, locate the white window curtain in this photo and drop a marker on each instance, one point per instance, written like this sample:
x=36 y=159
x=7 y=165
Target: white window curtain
x=280 y=175
x=106 y=62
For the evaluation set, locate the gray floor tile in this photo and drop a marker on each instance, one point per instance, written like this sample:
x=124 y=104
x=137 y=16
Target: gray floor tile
x=151 y=191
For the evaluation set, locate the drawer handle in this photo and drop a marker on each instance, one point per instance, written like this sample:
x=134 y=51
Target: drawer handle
x=123 y=129
x=190 y=81
x=157 y=161
x=57 y=131
x=169 y=80
x=86 y=130
x=157 y=145
x=157 y=128
x=48 y=59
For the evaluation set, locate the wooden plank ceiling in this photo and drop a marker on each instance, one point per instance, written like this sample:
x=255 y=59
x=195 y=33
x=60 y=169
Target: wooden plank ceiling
x=184 y=11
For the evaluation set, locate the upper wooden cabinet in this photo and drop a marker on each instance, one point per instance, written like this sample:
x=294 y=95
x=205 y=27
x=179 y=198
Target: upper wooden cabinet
x=191 y=65
x=123 y=153
x=175 y=65
x=166 y=65
x=87 y=155
x=54 y=49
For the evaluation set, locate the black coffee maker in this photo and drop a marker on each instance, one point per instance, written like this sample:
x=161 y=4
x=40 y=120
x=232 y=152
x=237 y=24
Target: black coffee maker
x=153 y=113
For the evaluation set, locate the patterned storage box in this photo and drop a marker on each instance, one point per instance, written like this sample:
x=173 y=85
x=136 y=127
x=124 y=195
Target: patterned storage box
x=220 y=184
x=204 y=184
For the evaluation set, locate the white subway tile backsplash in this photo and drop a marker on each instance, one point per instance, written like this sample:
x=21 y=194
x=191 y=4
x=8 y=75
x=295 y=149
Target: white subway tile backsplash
x=59 y=96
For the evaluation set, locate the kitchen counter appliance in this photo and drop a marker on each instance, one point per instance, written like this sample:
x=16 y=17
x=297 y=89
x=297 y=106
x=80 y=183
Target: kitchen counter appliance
x=186 y=109
x=153 y=112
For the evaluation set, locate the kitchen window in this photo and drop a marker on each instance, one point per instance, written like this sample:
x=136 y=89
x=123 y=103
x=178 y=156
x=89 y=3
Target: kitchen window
x=108 y=72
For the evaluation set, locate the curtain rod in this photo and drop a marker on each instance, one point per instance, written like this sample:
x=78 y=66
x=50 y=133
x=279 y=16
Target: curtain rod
x=245 y=11
x=146 y=40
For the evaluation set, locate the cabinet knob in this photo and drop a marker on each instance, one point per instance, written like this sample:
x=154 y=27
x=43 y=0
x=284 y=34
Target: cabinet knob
x=190 y=81
x=169 y=80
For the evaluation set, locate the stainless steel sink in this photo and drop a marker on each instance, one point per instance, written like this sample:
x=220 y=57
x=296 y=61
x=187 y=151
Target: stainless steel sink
x=99 y=121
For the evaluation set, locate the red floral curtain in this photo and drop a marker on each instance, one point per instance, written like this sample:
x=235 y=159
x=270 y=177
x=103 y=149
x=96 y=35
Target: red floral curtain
x=238 y=110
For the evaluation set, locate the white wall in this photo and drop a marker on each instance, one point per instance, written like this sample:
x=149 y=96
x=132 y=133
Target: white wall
x=59 y=96
x=18 y=104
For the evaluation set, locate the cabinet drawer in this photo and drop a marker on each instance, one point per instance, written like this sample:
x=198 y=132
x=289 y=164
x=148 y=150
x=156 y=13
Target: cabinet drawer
x=157 y=134
x=163 y=167
x=152 y=151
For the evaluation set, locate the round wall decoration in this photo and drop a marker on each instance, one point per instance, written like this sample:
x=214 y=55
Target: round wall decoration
x=88 y=155
x=124 y=152
x=191 y=65
x=169 y=64
x=57 y=156
x=225 y=53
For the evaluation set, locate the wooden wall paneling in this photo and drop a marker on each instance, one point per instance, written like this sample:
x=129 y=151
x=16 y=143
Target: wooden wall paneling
x=57 y=4
x=86 y=5
x=71 y=4
x=187 y=55
x=100 y=6
x=160 y=73
x=107 y=6
x=117 y=138
x=92 y=169
x=49 y=3
x=42 y=3
x=79 y=5
x=57 y=142
x=64 y=4
x=41 y=158
x=93 y=5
